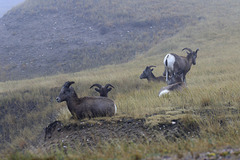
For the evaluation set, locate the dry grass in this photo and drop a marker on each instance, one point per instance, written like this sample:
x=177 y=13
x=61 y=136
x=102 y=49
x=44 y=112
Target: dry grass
x=212 y=99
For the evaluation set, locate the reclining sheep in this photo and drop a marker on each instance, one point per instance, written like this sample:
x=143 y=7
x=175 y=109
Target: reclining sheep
x=147 y=74
x=103 y=90
x=176 y=84
x=85 y=107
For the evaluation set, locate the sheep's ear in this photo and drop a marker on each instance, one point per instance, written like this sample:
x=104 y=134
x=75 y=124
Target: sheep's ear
x=68 y=84
x=109 y=89
x=151 y=69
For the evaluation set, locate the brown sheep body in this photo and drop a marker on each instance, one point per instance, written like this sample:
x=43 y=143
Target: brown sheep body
x=180 y=65
x=86 y=107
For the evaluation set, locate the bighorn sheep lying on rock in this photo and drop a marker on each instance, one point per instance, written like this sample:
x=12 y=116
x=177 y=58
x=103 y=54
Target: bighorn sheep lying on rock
x=103 y=90
x=147 y=74
x=86 y=107
x=176 y=84
x=180 y=65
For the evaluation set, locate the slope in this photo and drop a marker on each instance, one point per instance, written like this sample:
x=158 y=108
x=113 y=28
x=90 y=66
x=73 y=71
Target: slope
x=211 y=102
x=41 y=38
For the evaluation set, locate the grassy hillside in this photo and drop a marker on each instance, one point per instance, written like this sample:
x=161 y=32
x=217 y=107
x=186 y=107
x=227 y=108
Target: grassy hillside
x=211 y=102
x=41 y=38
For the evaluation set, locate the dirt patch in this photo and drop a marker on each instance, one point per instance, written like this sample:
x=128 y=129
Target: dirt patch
x=92 y=133
x=225 y=153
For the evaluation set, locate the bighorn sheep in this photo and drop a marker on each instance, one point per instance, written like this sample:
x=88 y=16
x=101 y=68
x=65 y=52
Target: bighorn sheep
x=147 y=74
x=103 y=90
x=180 y=65
x=176 y=84
x=85 y=107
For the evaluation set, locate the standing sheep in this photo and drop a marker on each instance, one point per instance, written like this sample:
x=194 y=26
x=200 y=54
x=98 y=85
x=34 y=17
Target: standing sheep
x=180 y=65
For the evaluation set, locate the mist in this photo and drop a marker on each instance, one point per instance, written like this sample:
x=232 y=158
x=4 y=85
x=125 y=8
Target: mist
x=6 y=5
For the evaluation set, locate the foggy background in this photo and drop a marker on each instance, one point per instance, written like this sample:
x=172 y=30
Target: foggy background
x=6 y=5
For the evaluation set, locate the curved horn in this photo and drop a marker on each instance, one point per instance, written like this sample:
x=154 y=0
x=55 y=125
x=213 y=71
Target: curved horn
x=151 y=66
x=197 y=50
x=187 y=49
x=107 y=85
x=68 y=84
x=97 y=85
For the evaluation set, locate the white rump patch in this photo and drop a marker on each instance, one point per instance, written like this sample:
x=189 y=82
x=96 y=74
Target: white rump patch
x=165 y=58
x=170 y=61
x=166 y=91
x=173 y=122
x=115 y=108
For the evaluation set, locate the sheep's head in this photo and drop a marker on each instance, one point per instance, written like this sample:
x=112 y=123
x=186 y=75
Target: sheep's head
x=193 y=53
x=103 y=90
x=65 y=92
x=147 y=72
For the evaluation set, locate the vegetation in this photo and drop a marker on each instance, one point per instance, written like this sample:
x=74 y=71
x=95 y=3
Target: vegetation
x=211 y=102
x=69 y=36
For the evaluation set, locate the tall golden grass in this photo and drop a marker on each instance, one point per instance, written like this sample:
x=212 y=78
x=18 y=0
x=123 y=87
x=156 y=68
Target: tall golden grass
x=212 y=95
